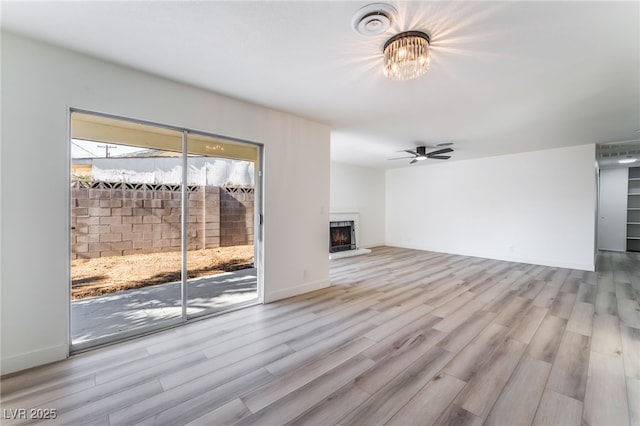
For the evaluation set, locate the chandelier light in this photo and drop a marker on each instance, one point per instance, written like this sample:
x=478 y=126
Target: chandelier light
x=406 y=55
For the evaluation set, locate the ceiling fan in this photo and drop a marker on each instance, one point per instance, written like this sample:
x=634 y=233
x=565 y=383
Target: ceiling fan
x=421 y=154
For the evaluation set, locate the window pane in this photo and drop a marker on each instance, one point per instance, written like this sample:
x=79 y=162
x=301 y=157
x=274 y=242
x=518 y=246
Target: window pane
x=220 y=256
x=126 y=234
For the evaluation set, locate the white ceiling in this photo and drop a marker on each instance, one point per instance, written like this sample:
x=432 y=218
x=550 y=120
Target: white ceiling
x=505 y=77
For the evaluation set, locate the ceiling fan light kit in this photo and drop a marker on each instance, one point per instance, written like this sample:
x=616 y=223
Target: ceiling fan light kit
x=421 y=154
x=627 y=160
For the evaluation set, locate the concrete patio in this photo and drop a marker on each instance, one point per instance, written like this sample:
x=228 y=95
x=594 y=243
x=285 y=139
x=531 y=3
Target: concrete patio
x=102 y=316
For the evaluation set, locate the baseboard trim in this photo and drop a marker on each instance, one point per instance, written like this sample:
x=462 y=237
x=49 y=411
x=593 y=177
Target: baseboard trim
x=374 y=245
x=23 y=361
x=516 y=259
x=295 y=291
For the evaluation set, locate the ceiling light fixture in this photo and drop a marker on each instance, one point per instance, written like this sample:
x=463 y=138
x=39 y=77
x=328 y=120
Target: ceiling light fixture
x=406 y=55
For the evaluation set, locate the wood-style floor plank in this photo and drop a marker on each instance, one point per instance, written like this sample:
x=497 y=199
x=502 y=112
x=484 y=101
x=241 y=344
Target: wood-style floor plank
x=394 y=362
x=298 y=377
x=467 y=331
x=484 y=388
x=562 y=305
x=545 y=343
x=629 y=311
x=104 y=406
x=174 y=408
x=633 y=399
x=329 y=410
x=457 y=416
x=295 y=403
x=557 y=409
x=467 y=362
x=586 y=293
x=631 y=351
x=317 y=350
x=581 y=319
x=569 y=373
x=606 y=396
x=606 y=303
x=519 y=399
x=527 y=324
x=402 y=337
x=226 y=415
x=410 y=336
x=606 y=335
x=429 y=403
x=388 y=400
x=214 y=374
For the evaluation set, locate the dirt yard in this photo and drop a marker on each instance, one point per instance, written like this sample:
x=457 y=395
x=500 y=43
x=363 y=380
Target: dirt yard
x=94 y=277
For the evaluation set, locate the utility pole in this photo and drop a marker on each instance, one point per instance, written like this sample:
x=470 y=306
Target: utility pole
x=106 y=149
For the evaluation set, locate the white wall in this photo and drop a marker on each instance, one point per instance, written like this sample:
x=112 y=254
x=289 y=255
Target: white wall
x=612 y=209
x=39 y=85
x=361 y=190
x=535 y=207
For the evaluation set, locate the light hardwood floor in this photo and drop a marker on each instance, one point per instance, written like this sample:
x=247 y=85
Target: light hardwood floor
x=402 y=337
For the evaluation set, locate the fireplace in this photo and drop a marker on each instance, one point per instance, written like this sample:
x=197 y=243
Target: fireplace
x=342 y=236
x=344 y=232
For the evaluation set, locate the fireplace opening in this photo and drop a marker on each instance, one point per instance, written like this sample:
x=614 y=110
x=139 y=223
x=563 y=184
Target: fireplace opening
x=342 y=236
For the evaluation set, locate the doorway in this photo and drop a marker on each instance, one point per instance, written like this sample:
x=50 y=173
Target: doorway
x=618 y=209
x=163 y=227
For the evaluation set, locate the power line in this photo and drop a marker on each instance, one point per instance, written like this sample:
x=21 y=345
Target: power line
x=85 y=150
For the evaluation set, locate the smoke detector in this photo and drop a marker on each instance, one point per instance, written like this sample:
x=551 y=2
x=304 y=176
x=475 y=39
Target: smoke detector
x=373 y=19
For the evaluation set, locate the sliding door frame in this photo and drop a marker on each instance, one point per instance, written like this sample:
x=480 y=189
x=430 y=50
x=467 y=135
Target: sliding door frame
x=257 y=236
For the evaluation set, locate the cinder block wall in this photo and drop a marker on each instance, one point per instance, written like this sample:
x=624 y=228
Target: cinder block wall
x=117 y=222
x=236 y=216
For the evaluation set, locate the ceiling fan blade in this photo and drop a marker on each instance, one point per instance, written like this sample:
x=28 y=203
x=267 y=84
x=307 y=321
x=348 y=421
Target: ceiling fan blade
x=413 y=161
x=440 y=157
x=410 y=152
x=399 y=158
x=439 y=151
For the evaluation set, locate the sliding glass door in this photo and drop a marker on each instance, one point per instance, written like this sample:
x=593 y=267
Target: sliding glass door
x=221 y=251
x=162 y=227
